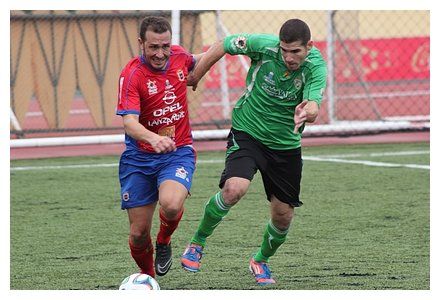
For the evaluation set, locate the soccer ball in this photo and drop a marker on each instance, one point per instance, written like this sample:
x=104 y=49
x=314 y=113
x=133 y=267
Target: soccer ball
x=139 y=281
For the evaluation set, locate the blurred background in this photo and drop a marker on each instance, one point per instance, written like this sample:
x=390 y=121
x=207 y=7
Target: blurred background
x=65 y=67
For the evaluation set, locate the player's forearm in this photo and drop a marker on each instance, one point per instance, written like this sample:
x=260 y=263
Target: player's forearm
x=312 y=110
x=137 y=131
x=198 y=57
x=208 y=59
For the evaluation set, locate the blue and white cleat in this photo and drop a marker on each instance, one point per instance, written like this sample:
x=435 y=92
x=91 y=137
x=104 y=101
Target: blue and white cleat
x=190 y=259
x=261 y=272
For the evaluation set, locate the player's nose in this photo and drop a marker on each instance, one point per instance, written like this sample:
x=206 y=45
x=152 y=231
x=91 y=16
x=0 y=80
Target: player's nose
x=289 y=58
x=160 y=53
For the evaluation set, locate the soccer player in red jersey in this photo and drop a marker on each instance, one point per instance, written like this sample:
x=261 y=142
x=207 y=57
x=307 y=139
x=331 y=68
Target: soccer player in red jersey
x=159 y=160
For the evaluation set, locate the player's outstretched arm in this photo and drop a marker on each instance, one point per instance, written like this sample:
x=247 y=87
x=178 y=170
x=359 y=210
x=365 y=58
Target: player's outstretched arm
x=190 y=80
x=160 y=144
x=207 y=60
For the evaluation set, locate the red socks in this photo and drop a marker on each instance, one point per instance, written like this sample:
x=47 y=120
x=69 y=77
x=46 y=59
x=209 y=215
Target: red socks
x=143 y=256
x=167 y=227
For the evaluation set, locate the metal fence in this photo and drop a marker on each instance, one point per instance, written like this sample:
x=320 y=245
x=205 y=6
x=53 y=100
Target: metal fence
x=65 y=67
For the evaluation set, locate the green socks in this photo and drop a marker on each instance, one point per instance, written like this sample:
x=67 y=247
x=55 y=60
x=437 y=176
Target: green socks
x=215 y=210
x=273 y=238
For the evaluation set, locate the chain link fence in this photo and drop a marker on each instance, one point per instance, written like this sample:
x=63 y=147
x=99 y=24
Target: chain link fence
x=65 y=67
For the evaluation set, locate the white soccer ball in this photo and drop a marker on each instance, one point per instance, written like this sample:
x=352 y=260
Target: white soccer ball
x=139 y=281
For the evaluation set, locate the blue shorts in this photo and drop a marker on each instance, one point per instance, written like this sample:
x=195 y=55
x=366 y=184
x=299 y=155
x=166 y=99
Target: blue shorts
x=140 y=174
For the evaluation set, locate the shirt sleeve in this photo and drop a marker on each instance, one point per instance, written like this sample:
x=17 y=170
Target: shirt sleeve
x=190 y=62
x=128 y=96
x=244 y=44
x=315 y=84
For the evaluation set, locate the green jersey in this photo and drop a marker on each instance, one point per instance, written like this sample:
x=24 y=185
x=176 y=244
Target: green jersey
x=267 y=106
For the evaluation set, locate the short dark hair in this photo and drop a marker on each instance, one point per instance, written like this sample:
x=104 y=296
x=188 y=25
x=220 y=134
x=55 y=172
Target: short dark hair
x=295 y=30
x=155 y=24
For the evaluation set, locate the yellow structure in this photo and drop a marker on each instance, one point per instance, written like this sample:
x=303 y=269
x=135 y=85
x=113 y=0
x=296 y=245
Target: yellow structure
x=56 y=53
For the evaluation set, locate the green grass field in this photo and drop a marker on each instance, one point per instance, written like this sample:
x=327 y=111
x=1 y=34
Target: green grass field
x=361 y=227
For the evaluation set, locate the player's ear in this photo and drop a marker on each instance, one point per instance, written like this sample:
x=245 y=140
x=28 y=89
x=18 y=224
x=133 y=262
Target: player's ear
x=141 y=43
x=309 y=45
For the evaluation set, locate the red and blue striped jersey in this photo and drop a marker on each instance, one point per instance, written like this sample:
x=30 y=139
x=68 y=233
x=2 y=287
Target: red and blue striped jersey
x=159 y=97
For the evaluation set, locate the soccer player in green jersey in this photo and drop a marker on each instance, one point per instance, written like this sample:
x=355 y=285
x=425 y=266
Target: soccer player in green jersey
x=284 y=89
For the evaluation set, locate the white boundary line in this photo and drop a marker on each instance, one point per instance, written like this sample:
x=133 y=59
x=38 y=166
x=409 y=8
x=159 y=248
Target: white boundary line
x=375 y=154
x=366 y=163
x=60 y=167
x=324 y=158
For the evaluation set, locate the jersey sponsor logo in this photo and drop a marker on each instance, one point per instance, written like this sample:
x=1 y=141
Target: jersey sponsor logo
x=240 y=43
x=171 y=108
x=152 y=87
x=167 y=121
x=169 y=97
x=269 y=78
x=182 y=173
x=278 y=93
x=180 y=75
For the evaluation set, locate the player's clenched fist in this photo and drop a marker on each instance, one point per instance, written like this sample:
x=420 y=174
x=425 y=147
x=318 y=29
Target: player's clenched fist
x=163 y=144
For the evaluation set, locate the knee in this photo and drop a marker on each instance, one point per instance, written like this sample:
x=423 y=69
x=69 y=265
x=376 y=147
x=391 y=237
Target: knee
x=138 y=236
x=232 y=193
x=170 y=209
x=282 y=219
x=171 y=212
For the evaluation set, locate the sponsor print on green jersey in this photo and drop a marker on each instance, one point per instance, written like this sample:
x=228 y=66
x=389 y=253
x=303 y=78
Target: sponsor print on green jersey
x=266 y=108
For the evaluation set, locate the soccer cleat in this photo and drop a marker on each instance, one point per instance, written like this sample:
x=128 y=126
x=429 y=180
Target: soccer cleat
x=261 y=272
x=191 y=258
x=163 y=261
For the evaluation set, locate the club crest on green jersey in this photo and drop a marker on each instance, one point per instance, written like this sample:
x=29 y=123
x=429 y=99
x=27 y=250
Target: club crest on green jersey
x=297 y=82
